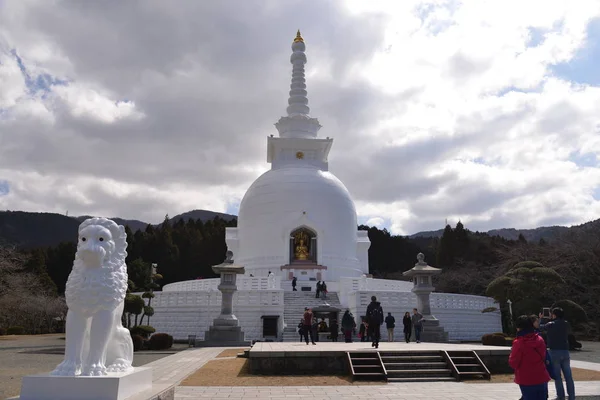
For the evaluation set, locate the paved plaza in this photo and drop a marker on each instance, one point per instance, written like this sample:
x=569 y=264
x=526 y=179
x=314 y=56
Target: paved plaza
x=429 y=390
x=27 y=356
x=282 y=347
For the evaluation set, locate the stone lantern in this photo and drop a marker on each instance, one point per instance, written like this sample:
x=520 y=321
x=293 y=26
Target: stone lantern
x=225 y=330
x=422 y=275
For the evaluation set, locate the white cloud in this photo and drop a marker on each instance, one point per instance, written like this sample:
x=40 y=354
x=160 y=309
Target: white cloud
x=439 y=109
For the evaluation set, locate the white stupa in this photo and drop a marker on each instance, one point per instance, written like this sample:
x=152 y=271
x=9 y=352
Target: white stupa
x=298 y=218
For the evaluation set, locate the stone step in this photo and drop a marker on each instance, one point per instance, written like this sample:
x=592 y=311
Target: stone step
x=413 y=365
x=419 y=372
x=422 y=379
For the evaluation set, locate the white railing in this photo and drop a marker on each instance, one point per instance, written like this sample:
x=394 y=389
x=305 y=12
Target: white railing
x=385 y=284
x=460 y=301
x=243 y=283
x=213 y=298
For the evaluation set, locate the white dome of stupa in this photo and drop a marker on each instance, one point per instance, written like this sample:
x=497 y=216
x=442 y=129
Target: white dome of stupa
x=292 y=197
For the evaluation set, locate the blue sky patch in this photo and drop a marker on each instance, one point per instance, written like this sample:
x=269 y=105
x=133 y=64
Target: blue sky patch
x=4 y=188
x=233 y=208
x=536 y=36
x=584 y=160
x=42 y=83
x=583 y=68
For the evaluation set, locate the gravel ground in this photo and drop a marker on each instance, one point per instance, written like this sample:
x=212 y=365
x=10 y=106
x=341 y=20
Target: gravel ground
x=26 y=355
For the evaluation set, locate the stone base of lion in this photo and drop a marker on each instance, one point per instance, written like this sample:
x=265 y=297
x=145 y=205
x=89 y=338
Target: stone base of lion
x=96 y=341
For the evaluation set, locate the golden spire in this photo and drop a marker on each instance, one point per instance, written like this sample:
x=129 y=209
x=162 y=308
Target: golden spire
x=298 y=37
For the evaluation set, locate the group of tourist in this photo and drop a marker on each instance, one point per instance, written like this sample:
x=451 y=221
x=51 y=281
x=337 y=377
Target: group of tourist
x=536 y=361
x=369 y=328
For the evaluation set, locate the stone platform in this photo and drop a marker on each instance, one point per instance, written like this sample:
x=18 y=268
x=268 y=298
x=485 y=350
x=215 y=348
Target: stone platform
x=276 y=358
x=114 y=386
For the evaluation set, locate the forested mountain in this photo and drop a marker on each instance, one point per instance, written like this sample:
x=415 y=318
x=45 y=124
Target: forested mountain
x=30 y=230
x=188 y=248
x=548 y=233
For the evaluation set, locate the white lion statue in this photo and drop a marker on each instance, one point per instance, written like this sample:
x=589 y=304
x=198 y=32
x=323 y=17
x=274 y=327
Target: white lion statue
x=96 y=341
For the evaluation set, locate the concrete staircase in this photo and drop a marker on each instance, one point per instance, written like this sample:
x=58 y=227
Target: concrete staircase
x=293 y=309
x=415 y=366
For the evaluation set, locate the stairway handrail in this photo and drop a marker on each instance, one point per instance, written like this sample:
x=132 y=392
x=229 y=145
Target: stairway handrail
x=451 y=364
x=487 y=371
x=382 y=364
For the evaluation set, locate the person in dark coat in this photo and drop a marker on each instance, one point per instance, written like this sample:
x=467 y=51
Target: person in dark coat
x=334 y=329
x=557 y=334
x=318 y=290
x=348 y=326
x=301 y=331
x=307 y=319
x=315 y=329
x=407 y=322
x=375 y=320
x=390 y=324
x=294 y=281
x=362 y=331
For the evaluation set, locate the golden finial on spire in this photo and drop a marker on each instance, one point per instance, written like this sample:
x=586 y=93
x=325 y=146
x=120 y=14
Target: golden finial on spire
x=298 y=37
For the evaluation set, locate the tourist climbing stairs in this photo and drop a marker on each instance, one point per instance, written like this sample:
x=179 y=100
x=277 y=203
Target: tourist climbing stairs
x=466 y=364
x=293 y=309
x=366 y=365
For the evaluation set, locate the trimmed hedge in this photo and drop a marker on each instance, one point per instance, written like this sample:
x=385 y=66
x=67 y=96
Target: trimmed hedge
x=161 y=341
x=138 y=342
x=2 y=331
x=15 y=330
x=142 y=330
x=496 y=339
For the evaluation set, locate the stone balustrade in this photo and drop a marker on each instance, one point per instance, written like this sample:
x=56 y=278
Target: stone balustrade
x=243 y=283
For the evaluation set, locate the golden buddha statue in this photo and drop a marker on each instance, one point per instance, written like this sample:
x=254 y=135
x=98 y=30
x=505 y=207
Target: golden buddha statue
x=301 y=252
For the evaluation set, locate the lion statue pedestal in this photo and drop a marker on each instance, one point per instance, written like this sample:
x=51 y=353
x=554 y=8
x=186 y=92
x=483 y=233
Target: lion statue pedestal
x=98 y=349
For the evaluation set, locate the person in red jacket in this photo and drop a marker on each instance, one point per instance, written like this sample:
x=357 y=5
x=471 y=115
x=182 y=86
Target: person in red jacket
x=528 y=359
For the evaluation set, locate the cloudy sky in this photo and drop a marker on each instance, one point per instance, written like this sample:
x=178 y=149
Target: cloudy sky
x=487 y=112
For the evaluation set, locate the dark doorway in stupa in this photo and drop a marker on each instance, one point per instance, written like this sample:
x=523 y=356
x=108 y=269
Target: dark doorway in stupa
x=303 y=246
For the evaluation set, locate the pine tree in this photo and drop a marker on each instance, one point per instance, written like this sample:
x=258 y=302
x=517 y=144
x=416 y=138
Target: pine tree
x=461 y=240
x=445 y=255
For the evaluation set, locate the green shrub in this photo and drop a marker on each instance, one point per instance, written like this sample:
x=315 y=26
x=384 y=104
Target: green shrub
x=143 y=330
x=496 y=339
x=2 y=331
x=161 y=341
x=15 y=330
x=138 y=342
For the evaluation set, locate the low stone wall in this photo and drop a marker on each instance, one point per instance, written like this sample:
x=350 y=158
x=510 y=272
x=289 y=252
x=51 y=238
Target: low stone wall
x=299 y=363
x=336 y=362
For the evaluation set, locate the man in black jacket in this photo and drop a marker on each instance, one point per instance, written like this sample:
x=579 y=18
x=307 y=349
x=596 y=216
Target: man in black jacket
x=390 y=324
x=557 y=337
x=374 y=319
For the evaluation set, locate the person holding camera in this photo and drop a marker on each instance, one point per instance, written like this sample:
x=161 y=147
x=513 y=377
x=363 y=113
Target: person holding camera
x=557 y=336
